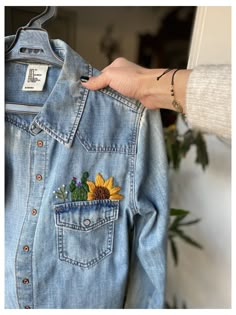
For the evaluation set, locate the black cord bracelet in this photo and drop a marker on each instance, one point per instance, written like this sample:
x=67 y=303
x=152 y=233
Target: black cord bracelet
x=167 y=70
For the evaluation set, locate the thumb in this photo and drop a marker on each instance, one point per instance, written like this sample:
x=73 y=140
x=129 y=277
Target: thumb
x=95 y=83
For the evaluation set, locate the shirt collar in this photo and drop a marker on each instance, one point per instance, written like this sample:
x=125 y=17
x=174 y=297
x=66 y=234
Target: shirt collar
x=61 y=113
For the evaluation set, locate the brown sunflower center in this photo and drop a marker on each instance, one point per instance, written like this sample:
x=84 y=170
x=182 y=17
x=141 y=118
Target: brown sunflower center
x=101 y=193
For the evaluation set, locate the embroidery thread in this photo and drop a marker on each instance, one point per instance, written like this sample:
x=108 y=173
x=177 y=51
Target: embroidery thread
x=61 y=193
x=103 y=189
x=79 y=190
x=87 y=190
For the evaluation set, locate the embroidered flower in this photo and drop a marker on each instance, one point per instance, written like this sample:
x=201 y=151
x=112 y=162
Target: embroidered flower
x=103 y=189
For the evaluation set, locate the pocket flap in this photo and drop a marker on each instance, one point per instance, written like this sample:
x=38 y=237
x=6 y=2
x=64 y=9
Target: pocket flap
x=86 y=215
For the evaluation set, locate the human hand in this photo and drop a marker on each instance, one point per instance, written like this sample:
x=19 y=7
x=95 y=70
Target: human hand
x=137 y=82
x=121 y=75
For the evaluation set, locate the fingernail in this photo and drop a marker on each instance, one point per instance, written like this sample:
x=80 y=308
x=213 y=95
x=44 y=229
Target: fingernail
x=84 y=78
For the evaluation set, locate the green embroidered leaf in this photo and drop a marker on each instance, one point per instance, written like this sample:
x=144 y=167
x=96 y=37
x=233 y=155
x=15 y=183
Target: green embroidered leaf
x=61 y=193
x=84 y=177
x=78 y=190
x=75 y=194
x=72 y=185
x=79 y=194
x=86 y=187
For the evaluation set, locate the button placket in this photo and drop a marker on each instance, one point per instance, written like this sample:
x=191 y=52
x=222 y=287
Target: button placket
x=24 y=264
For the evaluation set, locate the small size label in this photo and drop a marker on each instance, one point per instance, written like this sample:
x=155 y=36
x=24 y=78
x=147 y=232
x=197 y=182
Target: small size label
x=35 y=77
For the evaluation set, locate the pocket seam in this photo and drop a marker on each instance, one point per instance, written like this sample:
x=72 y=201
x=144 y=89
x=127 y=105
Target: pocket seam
x=103 y=254
x=105 y=250
x=89 y=147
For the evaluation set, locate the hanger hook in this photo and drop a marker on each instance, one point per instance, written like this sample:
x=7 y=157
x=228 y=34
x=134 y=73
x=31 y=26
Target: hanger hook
x=43 y=17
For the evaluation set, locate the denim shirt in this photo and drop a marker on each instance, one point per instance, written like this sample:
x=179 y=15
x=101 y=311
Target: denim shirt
x=86 y=195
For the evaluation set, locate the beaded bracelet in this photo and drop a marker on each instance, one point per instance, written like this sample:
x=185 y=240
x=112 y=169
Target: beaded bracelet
x=177 y=106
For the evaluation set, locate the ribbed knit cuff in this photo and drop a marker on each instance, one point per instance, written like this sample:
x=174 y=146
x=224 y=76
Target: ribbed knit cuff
x=208 y=99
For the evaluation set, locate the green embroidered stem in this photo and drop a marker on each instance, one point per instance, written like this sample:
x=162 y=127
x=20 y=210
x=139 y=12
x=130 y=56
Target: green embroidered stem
x=61 y=193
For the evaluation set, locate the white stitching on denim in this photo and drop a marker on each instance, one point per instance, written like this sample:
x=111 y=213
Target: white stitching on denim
x=92 y=261
x=100 y=222
x=112 y=204
x=132 y=163
x=67 y=138
x=22 y=126
x=134 y=105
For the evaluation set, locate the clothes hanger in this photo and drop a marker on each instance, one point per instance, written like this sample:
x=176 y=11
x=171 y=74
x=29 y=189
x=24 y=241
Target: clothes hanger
x=31 y=45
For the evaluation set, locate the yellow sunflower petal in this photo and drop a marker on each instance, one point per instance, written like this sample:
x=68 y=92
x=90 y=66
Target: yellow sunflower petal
x=90 y=196
x=114 y=190
x=108 y=183
x=91 y=186
x=116 y=197
x=99 y=180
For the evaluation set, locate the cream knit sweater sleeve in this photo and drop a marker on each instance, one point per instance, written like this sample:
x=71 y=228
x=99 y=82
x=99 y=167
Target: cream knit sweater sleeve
x=208 y=99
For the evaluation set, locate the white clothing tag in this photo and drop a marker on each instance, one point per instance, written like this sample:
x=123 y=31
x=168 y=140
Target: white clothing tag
x=35 y=77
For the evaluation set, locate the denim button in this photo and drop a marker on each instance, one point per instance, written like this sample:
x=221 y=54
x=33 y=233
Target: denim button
x=39 y=177
x=40 y=143
x=25 y=281
x=86 y=222
x=26 y=248
x=33 y=211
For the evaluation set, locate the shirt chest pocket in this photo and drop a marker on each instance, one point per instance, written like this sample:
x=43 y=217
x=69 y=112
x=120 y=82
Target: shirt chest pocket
x=85 y=231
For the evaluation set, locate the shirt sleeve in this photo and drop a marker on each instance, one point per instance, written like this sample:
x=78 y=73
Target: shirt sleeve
x=208 y=99
x=146 y=285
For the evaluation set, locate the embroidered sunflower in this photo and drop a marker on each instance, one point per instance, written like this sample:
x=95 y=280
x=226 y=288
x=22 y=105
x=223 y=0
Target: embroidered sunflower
x=103 y=189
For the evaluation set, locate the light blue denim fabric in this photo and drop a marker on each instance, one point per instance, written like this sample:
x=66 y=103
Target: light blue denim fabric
x=92 y=253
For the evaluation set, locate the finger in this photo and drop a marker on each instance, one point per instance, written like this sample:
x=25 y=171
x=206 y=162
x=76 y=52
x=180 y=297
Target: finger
x=95 y=83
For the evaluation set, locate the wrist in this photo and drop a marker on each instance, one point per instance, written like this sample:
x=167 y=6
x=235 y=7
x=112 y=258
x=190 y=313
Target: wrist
x=157 y=93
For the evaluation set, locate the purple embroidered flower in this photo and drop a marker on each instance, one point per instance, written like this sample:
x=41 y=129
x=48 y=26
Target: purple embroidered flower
x=78 y=184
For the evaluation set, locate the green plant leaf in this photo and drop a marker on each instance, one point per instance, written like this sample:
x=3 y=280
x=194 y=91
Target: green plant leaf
x=190 y=222
x=178 y=212
x=173 y=148
x=202 y=155
x=188 y=140
x=174 y=251
x=174 y=225
x=188 y=239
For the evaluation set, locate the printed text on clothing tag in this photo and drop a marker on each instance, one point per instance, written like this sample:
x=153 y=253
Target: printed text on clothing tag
x=35 y=77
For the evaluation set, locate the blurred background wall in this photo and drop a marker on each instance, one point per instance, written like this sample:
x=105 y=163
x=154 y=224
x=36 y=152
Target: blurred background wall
x=161 y=37
x=204 y=277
